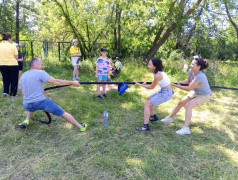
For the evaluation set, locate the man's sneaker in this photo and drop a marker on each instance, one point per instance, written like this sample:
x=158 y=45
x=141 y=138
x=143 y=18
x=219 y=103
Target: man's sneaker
x=104 y=95
x=82 y=129
x=167 y=119
x=4 y=94
x=24 y=124
x=154 y=118
x=99 y=96
x=184 y=130
x=74 y=79
x=77 y=78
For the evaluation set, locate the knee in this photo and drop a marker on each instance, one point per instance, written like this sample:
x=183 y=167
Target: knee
x=181 y=104
x=188 y=107
x=147 y=104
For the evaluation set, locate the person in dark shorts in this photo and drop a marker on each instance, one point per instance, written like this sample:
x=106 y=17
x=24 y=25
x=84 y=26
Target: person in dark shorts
x=20 y=64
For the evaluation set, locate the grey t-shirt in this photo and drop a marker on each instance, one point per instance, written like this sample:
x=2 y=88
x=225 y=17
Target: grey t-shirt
x=203 y=87
x=32 y=82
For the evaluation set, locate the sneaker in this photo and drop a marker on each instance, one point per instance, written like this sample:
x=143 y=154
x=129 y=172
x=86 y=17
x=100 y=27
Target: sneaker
x=5 y=94
x=167 y=119
x=154 y=118
x=77 y=78
x=99 y=96
x=24 y=124
x=74 y=79
x=184 y=130
x=104 y=95
x=82 y=129
x=145 y=127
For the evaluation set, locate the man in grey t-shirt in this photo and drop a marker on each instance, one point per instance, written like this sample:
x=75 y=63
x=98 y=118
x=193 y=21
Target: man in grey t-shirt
x=33 y=93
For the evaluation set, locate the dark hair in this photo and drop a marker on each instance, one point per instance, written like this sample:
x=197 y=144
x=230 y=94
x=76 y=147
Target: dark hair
x=34 y=60
x=158 y=65
x=203 y=63
x=6 y=36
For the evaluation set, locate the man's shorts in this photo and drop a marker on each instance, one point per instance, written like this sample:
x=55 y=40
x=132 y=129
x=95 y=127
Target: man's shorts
x=162 y=96
x=200 y=98
x=74 y=61
x=46 y=105
x=102 y=77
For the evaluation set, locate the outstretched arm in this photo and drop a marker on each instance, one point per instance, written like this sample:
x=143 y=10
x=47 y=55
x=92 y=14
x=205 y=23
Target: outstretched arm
x=157 y=78
x=191 y=86
x=60 y=82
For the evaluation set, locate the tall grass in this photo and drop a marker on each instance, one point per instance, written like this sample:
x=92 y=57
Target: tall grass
x=60 y=151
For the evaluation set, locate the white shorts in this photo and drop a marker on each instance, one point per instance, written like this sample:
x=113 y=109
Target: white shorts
x=74 y=61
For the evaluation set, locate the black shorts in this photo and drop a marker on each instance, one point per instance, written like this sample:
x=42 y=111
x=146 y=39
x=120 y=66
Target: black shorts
x=20 y=64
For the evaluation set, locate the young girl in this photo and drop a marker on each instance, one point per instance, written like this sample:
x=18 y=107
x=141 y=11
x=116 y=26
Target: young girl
x=102 y=71
x=165 y=93
x=197 y=81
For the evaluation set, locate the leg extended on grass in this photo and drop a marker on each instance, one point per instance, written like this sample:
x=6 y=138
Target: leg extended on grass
x=71 y=119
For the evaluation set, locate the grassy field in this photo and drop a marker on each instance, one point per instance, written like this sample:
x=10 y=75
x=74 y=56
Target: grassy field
x=60 y=151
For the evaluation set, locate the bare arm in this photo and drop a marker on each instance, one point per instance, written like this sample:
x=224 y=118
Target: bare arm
x=60 y=82
x=186 y=81
x=76 y=54
x=191 y=86
x=157 y=78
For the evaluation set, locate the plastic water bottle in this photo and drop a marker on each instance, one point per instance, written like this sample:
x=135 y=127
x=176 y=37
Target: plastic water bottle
x=105 y=118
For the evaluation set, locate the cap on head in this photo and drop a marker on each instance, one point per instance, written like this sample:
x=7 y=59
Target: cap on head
x=117 y=58
x=103 y=50
x=75 y=40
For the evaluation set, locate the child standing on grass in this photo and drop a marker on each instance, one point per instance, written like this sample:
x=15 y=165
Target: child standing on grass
x=165 y=93
x=102 y=71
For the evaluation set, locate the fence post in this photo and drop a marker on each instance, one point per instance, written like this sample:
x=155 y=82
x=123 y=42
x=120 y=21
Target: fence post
x=32 y=52
x=45 y=48
x=59 y=49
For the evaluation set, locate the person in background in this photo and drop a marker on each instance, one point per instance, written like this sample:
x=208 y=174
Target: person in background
x=20 y=64
x=32 y=82
x=9 y=65
x=163 y=95
x=117 y=67
x=75 y=59
x=200 y=93
x=103 y=65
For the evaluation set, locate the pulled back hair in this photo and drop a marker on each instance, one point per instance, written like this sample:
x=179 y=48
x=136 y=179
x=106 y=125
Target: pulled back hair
x=203 y=63
x=158 y=65
x=6 y=36
x=34 y=60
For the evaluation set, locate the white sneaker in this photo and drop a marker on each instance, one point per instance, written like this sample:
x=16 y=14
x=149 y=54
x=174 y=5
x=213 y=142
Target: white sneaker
x=167 y=119
x=184 y=130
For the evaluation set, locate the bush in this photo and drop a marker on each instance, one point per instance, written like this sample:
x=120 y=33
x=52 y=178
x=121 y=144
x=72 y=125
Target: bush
x=87 y=66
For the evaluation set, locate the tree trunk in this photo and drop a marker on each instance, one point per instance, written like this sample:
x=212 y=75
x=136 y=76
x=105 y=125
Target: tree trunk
x=119 y=32
x=17 y=21
x=230 y=19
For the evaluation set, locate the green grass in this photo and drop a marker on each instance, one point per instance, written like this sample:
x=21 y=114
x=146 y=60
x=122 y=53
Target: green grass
x=60 y=151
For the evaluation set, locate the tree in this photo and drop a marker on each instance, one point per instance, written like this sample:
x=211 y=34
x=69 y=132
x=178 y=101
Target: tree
x=176 y=16
x=228 y=6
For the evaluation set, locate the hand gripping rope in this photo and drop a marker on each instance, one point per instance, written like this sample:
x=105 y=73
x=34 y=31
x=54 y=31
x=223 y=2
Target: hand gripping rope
x=122 y=87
